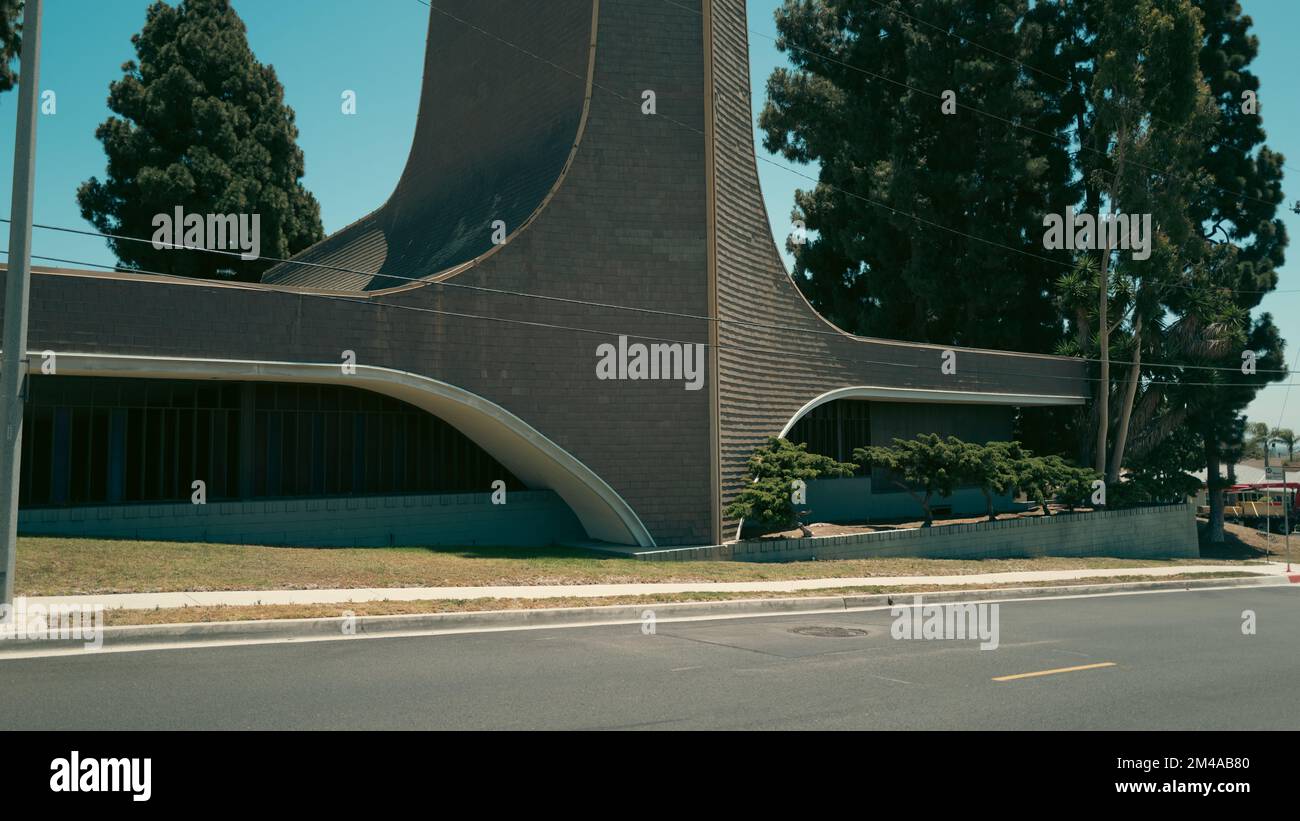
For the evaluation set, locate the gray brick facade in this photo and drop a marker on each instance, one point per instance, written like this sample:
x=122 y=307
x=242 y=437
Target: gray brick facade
x=532 y=113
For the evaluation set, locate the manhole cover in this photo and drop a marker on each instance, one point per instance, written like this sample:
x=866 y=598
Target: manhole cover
x=829 y=632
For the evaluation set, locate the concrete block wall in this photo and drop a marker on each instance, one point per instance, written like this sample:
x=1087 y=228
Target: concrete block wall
x=529 y=518
x=1157 y=532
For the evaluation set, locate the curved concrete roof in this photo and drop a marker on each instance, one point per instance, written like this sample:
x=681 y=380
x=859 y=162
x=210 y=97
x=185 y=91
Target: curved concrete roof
x=493 y=137
x=521 y=448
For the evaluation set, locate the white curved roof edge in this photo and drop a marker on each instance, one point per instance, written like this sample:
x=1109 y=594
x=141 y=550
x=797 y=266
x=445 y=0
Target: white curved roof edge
x=884 y=394
x=521 y=448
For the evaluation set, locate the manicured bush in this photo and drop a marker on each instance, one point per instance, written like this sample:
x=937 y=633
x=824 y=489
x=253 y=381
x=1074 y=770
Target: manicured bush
x=994 y=468
x=1075 y=486
x=930 y=464
x=924 y=466
x=767 y=505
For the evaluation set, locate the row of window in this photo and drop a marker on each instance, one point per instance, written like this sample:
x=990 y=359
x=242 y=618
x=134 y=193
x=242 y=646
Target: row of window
x=86 y=455
x=834 y=429
x=94 y=441
x=837 y=428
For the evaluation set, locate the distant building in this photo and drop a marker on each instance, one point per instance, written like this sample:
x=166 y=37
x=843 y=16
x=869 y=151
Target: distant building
x=1245 y=473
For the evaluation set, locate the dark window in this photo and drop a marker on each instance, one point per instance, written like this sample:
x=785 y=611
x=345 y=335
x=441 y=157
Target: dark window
x=95 y=441
x=835 y=429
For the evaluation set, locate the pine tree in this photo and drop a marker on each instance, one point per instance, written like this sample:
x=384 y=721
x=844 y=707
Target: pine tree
x=866 y=100
x=1149 y=96
x=1239 y=210
x=1234 y=211
x=920 y=467
x=10 y=39
x=202 y=125
x=767 y=504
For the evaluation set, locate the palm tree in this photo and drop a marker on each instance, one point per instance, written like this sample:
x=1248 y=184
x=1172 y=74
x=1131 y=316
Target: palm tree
x=1287 y=437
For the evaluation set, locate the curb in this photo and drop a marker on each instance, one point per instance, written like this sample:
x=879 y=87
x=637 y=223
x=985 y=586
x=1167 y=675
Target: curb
x=159 y=636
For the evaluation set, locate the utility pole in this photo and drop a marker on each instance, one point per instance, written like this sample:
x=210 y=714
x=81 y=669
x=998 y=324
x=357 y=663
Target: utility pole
x=13 y=355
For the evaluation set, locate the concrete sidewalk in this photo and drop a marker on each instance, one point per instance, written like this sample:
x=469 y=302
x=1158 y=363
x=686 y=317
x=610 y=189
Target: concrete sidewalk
x=149 y=601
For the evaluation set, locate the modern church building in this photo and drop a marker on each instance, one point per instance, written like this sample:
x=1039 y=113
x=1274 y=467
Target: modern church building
x=571 y=303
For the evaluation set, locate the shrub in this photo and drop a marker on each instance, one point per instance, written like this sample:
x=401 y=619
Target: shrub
x=1075 y=486
x=994 y=468
x=767 y=505
x=929 y=465
x=925 y=466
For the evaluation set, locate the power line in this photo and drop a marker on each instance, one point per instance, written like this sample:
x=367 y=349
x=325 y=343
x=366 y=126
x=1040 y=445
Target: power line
x=449 y=284
x=781 y=353
x=1065 y=265
x=631 y=308
x=551 y=298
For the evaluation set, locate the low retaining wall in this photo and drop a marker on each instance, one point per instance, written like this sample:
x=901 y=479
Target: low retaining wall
x=529 y=518
x=1157 y=532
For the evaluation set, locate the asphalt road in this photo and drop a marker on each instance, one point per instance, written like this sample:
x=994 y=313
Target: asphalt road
x=1180 y=661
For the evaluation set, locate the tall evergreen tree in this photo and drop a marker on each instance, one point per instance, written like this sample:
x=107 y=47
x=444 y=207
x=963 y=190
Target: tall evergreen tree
x=201 y=125
x=1191 y=163
x=1149 y=95
x=10 y=28
x=866 y=100
x=1233 y=189
x=1154 y=112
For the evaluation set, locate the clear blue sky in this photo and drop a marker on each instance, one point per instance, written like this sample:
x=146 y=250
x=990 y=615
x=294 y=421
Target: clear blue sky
x=321 y=47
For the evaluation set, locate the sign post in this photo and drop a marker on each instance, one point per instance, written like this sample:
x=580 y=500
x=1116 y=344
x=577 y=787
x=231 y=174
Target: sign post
x=1272 y=474
x=1278 y=474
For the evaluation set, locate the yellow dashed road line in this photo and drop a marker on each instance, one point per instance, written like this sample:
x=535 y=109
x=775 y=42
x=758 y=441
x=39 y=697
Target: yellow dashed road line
x=1055 y=671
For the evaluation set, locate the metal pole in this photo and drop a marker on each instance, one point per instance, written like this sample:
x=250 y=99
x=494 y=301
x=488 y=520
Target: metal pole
x=1268 y=505
x=1286 y=507
x=13 y=355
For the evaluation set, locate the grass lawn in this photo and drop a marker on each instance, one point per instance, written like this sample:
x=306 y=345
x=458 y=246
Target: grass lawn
x=178 y=615
x=58 y=566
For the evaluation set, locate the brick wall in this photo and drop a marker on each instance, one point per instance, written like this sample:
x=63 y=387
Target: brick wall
x=628 y=225
x=529 y=518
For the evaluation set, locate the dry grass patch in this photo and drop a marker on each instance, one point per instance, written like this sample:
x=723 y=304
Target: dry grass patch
x=58 y=567
x=180 y=615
